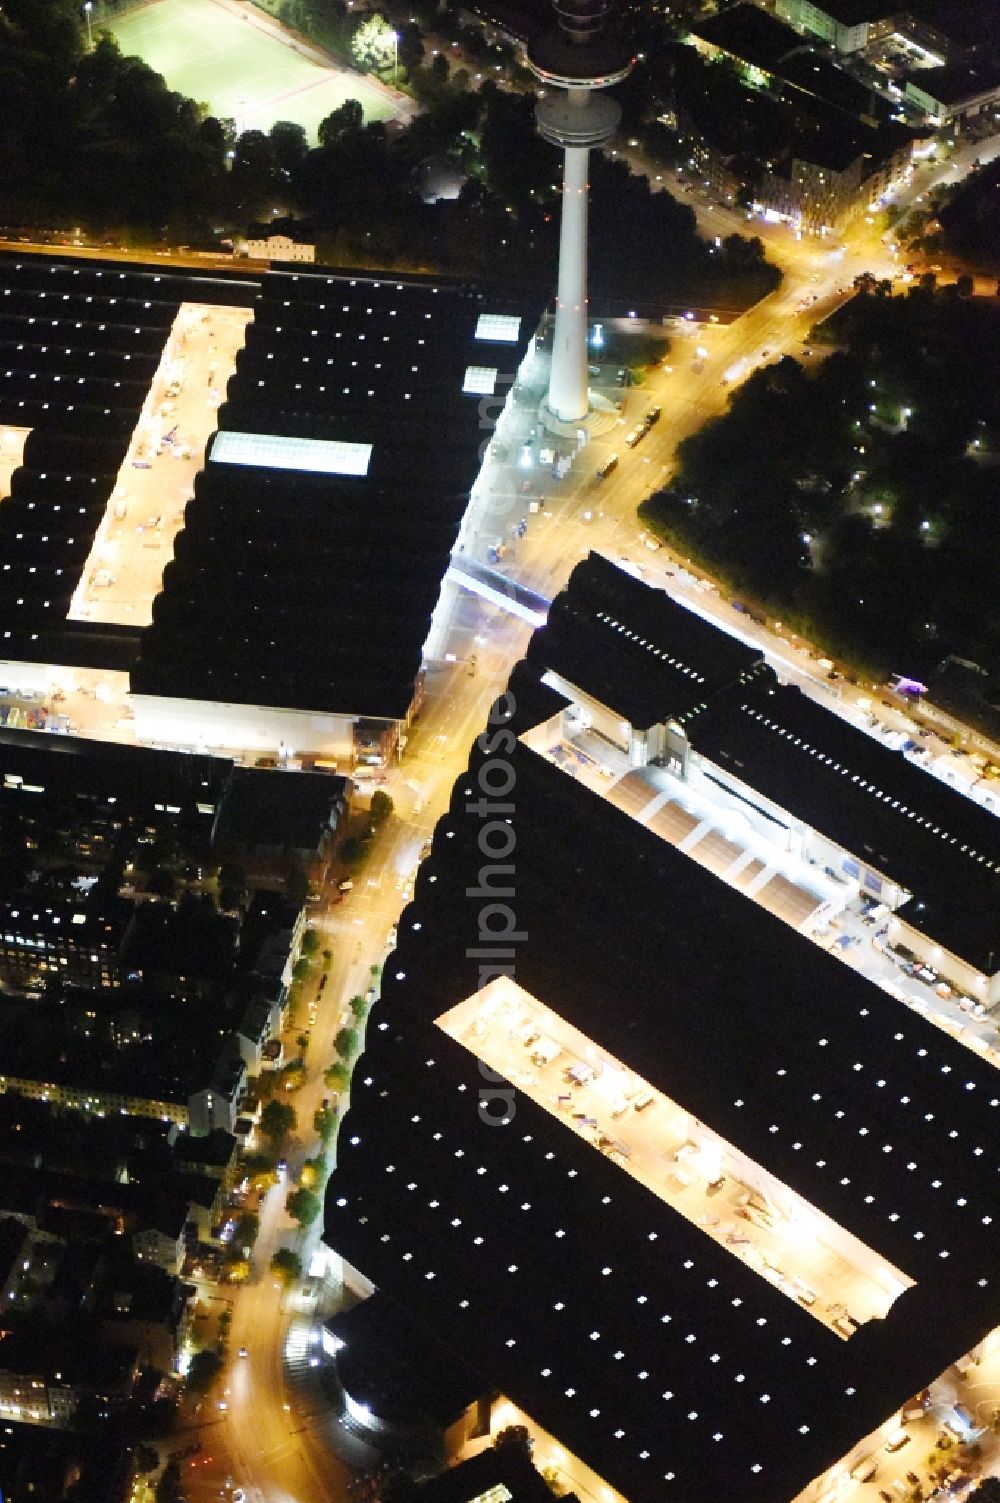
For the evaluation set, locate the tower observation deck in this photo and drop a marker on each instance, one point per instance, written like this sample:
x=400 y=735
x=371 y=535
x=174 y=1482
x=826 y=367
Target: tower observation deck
x=576 y=59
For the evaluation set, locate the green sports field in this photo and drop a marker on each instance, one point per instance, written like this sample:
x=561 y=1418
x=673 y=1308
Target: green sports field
x=242 y=66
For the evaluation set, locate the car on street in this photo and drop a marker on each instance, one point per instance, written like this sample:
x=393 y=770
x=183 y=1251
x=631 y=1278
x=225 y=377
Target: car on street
x=635 y=435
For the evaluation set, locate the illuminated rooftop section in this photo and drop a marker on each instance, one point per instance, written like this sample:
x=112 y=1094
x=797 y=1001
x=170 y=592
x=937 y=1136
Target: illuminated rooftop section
x=480 y=380
x=272 y=451
x=498 y=328
x=740 y=1204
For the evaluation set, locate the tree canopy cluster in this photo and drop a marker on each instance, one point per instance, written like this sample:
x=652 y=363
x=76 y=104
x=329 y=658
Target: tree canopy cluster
x=97 y=141
x=857 y=500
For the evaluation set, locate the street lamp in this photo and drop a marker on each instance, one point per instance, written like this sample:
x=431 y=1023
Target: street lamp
x=88 y=7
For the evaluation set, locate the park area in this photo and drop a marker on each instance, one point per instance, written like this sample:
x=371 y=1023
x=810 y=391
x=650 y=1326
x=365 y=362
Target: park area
x=243 y=65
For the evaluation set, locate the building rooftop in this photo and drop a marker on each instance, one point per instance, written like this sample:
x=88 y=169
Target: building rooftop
x=395 y=1368
x=501 y=1475
x=287 y=811
x=752 y=35
x=332 y=495
x=909 y=826
x=79 y=343
x=635 y=649
x=574 y=1280
x=953 y=83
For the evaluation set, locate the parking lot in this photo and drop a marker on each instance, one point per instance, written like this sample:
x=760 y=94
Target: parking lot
x=652 y=1138
x=145 y=510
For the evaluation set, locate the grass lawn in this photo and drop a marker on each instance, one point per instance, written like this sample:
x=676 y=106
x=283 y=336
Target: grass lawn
x=239 y=67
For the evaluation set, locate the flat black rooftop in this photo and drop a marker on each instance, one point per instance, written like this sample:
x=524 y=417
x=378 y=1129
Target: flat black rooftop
x=269 y=807
x=906 y=824
x=751 y=35
x=955 y=82
x=669 y=1366
x=272 y=557
x=494 y=1468
x=634 y=649
x=79 y=343
x=854 y=12
x=393 y=1366
x=130 y=777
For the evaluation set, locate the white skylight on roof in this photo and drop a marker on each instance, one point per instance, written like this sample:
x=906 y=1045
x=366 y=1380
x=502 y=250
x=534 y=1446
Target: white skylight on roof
x=278 y=452
x=498 y=328
x=480 y=380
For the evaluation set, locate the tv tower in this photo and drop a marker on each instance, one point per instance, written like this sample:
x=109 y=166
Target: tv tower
x=577 y=60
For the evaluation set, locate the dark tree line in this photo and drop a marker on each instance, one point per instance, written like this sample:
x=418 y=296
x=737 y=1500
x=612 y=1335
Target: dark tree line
x=97 y=141
x=855 y=500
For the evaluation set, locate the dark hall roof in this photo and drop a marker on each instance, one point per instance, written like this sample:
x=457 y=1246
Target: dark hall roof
x=751 y=35
x=635 y=649
x=634 y=1338
x=908 y=825
x=350 y=562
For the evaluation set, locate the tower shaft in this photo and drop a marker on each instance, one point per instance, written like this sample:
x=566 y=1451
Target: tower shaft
x=568 y=375
x=576 y=62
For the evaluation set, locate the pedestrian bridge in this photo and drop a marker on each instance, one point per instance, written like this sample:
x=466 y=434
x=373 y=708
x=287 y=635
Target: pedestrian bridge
x=491 y=585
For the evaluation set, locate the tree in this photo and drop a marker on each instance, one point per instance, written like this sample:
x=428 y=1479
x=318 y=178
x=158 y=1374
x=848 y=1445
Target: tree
x=928 y=281
x=359 y=1006
x=345 y=120
x=411 y=47
x=314 y=1172
x=301 y=969
x=146 y=1457
x=988 y=1491
x=325 y=1124
x=381 y=807
x=515 y=1438
x=168 y=1486
x=305 y=1205
x=374 y=43
x=310 y=941
x=346 y=1044
x=277 y=1120
x=287 y=1266
x=161 y=883
x=352 y=850
x=204 y=1367
x=289 y=143
x=965 y=286
x=232 y=885
x=293 y=1076
x=337 y=1076
x=247 y=1227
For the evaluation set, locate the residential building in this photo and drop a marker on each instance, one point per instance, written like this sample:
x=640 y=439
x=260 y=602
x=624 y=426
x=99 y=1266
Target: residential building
x=46 y=1382
x=849 y=25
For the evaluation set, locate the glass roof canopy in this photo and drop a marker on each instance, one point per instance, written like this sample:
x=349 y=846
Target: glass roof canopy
x=498 y=328
x=277 y=452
